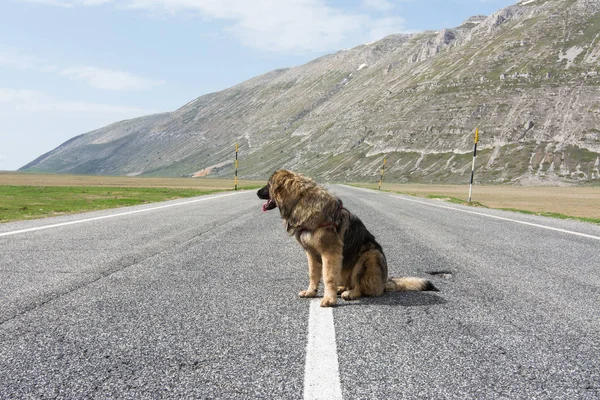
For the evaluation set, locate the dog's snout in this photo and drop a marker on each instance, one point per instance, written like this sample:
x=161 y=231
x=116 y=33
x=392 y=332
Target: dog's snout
x=263 y=193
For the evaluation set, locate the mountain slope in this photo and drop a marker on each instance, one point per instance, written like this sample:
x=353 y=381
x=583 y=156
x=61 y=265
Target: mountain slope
x=528 y=76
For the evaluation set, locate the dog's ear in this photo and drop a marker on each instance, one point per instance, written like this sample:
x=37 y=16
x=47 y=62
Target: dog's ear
x=277 y=184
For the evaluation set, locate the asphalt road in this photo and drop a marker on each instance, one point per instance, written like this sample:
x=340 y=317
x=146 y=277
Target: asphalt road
x=198 y=299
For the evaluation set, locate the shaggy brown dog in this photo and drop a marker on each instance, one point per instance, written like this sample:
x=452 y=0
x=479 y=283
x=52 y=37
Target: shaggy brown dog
x=338 y=246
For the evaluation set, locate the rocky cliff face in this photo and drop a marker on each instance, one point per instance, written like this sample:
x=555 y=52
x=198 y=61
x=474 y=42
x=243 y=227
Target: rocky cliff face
x=528 y=76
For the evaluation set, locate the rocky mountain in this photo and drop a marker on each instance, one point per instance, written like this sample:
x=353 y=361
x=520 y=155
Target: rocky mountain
x=528 y=76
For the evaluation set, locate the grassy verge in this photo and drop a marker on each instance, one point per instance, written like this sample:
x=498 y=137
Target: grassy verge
x=28 y=196
x=34 y=179
x=456 y=200
x=554 y=215
x=572 y=202
x=29 y=202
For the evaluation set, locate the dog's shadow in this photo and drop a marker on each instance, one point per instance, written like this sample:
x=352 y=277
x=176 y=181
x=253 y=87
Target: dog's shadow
x=401 y=299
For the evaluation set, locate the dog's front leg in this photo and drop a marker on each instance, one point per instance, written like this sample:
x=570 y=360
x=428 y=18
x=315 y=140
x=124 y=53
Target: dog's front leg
x=332 y=267
x=315 y=268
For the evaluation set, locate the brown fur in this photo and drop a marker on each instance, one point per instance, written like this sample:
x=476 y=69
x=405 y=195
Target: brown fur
x=339 y=248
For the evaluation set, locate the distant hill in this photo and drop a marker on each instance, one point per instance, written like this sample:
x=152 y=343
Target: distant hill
x=528 y=76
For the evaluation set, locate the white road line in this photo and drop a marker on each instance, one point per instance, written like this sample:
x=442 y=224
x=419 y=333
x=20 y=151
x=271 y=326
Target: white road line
x=321 y=373
x=80 y=221
x=501 y=218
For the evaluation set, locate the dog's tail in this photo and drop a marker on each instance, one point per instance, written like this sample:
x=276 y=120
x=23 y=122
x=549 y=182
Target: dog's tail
x=409 y=284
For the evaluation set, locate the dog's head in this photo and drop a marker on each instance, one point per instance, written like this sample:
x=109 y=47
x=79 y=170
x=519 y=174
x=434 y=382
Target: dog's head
x=275 y=190
x=302 y=203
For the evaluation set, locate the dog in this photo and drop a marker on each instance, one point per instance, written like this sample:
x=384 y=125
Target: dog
x=338 y=246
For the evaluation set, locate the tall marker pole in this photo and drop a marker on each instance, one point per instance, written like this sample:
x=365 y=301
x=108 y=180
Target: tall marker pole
x=473 y=166
x=236 y=167
x=382 y=171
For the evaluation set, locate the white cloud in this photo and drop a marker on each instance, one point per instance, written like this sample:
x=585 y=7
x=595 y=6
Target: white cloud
x=36 y=101
x=100 y=78
x=284 y=26
x=109 y=79
x=276 y=25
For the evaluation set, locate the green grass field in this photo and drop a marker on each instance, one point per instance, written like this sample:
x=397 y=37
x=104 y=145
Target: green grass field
x=28 y=202
x=26 y=196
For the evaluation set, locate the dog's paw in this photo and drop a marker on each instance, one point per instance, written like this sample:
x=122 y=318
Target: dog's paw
x=341 y=289
x=308 y=293
x=328 y=302
x=350 y=295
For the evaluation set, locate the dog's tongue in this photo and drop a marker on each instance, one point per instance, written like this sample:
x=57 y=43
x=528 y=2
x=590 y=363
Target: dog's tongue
x=268 y=205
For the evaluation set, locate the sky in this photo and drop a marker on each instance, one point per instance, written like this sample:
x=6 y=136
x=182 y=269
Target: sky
x=71 y=66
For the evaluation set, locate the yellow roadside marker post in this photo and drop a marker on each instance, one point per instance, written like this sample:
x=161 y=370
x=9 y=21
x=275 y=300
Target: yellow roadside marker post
x=382 y=171
x=473 y=166
x=235 y=180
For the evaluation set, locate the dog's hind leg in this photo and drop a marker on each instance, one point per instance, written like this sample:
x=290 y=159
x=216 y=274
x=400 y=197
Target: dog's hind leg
x=315 y=268
x=368 y=276
x=374 y=275
x=353 y=287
